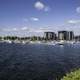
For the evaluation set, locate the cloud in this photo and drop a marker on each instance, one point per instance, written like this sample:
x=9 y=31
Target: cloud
x=46 y=29
x=74 y=21
x=30 y=19
x=9 y=29
x=41 y=6
x=78 y=9
x=34 y=19
x=15 y=29
x=40 y=30
x=24 y=28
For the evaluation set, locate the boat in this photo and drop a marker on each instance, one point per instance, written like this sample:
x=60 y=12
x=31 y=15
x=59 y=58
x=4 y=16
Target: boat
x=61 y=42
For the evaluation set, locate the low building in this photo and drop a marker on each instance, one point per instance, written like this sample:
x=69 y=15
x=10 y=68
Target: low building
x=77 y=38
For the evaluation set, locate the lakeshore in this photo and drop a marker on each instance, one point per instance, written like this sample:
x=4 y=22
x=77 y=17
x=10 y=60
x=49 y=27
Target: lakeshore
x=50 y=38
x=61 y=42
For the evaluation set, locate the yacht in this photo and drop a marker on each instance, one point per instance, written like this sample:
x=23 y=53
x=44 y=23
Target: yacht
x=62 y=42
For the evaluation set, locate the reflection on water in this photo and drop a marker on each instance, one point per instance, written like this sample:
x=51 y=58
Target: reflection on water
x=37 y=62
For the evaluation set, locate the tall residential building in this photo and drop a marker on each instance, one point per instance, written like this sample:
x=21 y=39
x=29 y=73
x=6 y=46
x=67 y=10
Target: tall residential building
x=49 y=35
x=65 y=35
x=62 y=35
x=71 y=35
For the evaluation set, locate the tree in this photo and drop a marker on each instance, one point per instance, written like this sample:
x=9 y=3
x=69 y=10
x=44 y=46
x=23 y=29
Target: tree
x=33 y=38
x=0 y=38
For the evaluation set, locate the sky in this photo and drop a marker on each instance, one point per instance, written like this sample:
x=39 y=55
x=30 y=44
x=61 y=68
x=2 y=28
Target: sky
x=33 y=17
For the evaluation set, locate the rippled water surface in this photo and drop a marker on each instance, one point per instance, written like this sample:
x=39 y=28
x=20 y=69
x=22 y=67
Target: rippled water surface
x=37 y=62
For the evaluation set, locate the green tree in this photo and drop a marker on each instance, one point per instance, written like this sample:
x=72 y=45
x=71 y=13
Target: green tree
x=0 y=38
x=33 y=38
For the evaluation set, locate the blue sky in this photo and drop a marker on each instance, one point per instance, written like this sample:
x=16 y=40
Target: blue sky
x=30 y=17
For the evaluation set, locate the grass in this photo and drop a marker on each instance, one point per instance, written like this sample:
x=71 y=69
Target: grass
x=74 y=75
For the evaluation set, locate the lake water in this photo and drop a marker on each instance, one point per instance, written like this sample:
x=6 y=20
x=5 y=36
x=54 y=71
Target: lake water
x=37 y=61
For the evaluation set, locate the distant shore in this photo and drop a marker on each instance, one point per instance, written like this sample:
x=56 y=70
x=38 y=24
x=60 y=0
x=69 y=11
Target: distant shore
x=60 y=42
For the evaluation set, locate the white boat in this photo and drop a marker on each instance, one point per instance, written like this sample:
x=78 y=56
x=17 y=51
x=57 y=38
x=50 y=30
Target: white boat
x=16 y=41
x=7 y=41
x=61 y=42
x=52 y=43
x=71 y=42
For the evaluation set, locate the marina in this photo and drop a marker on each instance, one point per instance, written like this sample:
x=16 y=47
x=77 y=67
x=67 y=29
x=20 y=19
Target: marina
x=41 y=42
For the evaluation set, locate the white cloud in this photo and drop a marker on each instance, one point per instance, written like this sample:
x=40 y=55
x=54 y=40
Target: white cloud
x=14 y=29
x=41 y=6
x=31 y=19
x=24 y=28
x=10 y=29
x=38 y=30
x=24 y=31
x=34 y=19
x=74 y=21
x=6 y=29
x=78 y=9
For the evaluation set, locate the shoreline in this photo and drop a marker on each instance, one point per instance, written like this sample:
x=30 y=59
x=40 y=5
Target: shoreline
x=62 y=42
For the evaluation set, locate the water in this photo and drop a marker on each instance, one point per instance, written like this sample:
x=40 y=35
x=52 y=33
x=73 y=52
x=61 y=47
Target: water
x=37 y=62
